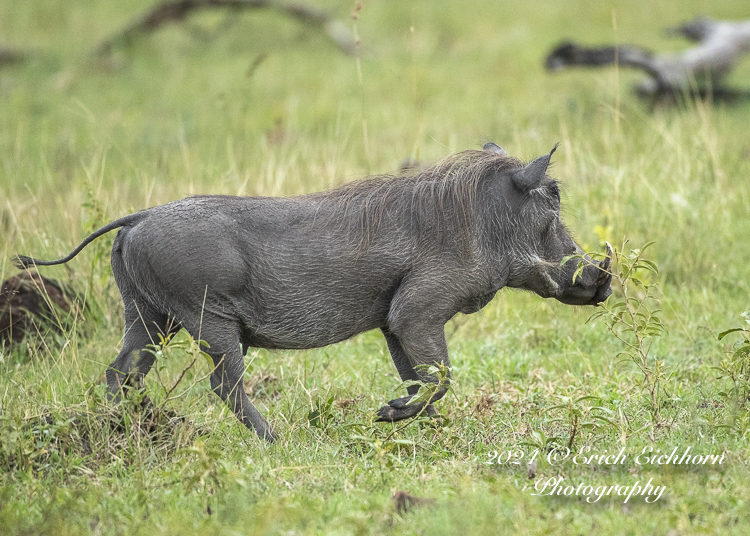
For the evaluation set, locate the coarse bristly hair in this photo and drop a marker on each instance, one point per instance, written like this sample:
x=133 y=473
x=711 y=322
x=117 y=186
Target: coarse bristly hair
x=443 y=196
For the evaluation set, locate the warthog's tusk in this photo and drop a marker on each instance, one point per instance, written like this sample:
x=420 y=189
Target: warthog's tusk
x=604 y=265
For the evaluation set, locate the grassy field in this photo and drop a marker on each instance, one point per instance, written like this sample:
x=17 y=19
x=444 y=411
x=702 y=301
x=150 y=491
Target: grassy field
x=252 y=103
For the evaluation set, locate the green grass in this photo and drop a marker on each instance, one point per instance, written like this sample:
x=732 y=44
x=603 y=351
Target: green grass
x=83 y=142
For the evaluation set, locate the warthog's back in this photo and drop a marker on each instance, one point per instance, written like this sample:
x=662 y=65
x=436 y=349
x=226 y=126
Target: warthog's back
x=290 y=269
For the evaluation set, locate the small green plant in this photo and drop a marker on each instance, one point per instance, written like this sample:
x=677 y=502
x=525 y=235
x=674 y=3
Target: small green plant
x=384 y=452
x=95 y=216
x=634 y=320
x=580 y=416
x=96 y=282
x=166 y=347
x=46 y=444
x=428 y=389
x=322 y=415
x=539 y=440
x=736 y=366
x=203 y=470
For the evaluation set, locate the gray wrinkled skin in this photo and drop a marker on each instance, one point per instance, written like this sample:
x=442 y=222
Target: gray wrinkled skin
x=400 y=254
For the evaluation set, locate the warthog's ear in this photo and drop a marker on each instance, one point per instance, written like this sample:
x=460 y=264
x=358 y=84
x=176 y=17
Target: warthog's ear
x=494 y=148
x=530 y=177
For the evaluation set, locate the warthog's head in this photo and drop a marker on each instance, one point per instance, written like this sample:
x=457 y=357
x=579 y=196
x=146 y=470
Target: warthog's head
x=539 y=242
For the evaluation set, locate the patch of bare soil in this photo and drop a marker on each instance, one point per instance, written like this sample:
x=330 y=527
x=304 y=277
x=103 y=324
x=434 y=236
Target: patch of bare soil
x=31 y=304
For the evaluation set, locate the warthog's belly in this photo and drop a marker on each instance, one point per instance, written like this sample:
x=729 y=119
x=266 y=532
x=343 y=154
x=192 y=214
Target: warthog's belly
x=312 y=319
x=309 y=332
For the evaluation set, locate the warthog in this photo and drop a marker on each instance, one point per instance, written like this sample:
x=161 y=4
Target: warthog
x=402 y=254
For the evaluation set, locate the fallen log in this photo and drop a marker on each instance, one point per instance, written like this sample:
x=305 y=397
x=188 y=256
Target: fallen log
x=701 y=69
x=177 y=10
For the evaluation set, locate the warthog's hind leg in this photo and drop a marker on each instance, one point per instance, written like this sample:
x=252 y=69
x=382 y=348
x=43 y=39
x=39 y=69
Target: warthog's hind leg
x=223 y=342
x=142 y=329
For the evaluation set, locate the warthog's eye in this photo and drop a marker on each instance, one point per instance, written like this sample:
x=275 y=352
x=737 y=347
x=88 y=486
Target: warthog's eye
x=549 y=230
x=555 y=189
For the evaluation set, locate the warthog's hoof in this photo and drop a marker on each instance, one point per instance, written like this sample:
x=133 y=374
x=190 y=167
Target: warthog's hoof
x=400 y=409
x=269 y=435
x=389 y=414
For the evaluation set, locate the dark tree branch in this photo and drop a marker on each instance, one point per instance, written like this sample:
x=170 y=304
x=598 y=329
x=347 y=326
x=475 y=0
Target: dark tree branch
x=570 y=54
x=9 y=56
x=721 y=44
x=177 y=10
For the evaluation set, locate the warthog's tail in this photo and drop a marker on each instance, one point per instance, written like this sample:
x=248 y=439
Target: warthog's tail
x=21 y=261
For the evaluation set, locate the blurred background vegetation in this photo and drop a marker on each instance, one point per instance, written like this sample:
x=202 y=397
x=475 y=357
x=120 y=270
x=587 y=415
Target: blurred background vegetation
x=255 y=103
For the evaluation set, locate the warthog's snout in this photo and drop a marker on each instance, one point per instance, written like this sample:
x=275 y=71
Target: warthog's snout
x=593 y=285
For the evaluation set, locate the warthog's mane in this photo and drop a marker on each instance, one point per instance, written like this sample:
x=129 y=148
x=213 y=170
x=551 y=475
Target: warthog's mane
x=442 y=197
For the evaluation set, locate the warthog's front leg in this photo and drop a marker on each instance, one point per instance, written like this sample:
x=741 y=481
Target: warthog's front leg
x=405 y=370
x=416 y=345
